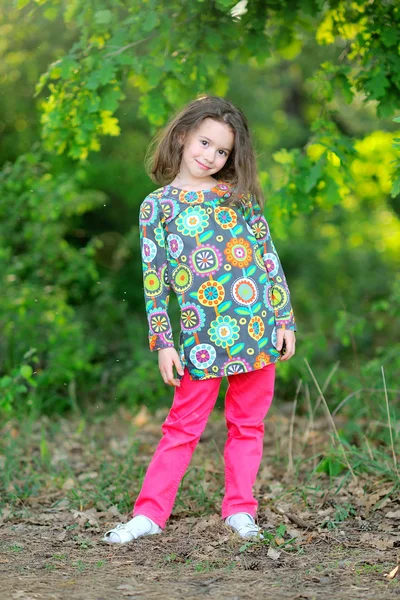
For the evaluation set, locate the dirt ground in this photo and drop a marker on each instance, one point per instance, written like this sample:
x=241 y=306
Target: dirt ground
x=328 y=538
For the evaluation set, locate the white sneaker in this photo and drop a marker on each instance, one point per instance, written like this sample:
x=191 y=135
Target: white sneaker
x=244 y=524
x=133 y=529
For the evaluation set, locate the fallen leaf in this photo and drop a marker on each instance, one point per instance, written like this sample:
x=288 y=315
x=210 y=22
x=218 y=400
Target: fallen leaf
x=142 y=417
x=377 y=542
x=393 y=573
x=393 y=514
x=68 y=484
x=272 y=553
x=279 y=541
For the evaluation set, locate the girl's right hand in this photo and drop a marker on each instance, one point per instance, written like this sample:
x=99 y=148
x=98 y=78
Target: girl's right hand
x=167 y=358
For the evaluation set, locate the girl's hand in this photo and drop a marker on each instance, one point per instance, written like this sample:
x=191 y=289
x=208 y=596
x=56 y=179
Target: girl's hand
x=288 y=336
x=167 y=358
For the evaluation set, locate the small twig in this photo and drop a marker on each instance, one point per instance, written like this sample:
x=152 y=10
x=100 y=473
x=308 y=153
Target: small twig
x=368 y=448
x=131 y=45
x=343 y=402
x=339 y=406
x=290 y=445
x=390 y=424
x=297 y=521
x=331 y=421
x=310 y=426
x=326 y=383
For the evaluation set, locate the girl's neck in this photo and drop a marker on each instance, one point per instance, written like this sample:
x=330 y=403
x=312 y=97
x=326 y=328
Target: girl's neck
x=194 y=186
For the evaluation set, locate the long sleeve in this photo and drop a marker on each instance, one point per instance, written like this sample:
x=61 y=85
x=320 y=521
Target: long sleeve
x=280 y=297
x=156 y=285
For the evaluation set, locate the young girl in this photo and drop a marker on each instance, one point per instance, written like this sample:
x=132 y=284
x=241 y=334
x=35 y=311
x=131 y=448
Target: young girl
x=204 y=234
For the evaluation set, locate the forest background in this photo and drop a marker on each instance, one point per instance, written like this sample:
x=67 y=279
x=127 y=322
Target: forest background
x=85 y=84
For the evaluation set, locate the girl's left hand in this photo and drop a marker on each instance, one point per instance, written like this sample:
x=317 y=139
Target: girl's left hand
x=287 y=336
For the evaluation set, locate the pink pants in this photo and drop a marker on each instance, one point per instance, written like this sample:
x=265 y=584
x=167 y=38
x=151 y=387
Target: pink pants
x=247 y=401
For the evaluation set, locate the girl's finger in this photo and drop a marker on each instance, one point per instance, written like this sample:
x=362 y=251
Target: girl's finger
x=279 y=338
x=178 y=366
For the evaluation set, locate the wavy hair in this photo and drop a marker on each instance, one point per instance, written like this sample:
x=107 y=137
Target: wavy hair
x=164 y=155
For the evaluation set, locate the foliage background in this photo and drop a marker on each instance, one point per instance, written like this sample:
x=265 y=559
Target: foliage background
x=85 y=84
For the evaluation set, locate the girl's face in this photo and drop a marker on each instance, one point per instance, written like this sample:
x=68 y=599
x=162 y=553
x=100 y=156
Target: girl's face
x=206 y=150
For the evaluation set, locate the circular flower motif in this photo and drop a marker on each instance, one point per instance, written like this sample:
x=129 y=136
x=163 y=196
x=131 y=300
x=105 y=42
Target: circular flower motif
x=193 y=317
x=152 y=283
x=224 y=331
x=163 y=274
x=225 y=217
x=202 y=356
x=238 y=252
x=234 y=366
x=258 y=257
x=170 y=207
x=182 y=278
x=271 y=262
x=149 y=250
x=158 y=321
x=262 y=360
x=244 y=291
x=267 y=295
x=159 y=234
x=256 y=328
x=260 y=227
x=279 y=296
x=148 y=211
x=221 y=189
x=205 y=260
x=191 y=197
x=192 y=221
x=175 y=245
x=210 y=293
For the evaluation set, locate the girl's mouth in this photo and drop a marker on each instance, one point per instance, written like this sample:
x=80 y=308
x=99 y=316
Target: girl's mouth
x=201 y=165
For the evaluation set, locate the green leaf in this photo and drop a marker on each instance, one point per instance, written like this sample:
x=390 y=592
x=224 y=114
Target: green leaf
x=245 y=546
x=389 y=36
x=251 y=270
x=224 y=278
x=204 y=237
x=237 y=230
x=236 y=349
x=315 y=174
x=377 y=85
x=395 y=190
x=257 y=307
x=150 y=20
x=26 y=371
x=242 y=310
x=102 y=17
x=224 y=306
x=189 y=341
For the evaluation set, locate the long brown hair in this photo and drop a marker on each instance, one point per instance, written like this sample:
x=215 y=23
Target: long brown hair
x=164 y=155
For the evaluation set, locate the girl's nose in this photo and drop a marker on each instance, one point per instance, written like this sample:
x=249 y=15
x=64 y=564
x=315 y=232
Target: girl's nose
x=209 y=156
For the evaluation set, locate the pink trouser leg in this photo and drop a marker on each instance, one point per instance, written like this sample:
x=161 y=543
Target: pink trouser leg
x=191 y=407
x=247 y=402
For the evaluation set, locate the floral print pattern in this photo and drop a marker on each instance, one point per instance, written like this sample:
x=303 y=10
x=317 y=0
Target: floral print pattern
x=225 y=271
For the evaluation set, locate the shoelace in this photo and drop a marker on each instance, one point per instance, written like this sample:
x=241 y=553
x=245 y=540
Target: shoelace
x=250 y=528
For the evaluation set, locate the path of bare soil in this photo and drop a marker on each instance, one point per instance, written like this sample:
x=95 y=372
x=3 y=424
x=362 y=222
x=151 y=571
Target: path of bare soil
x=50 y=547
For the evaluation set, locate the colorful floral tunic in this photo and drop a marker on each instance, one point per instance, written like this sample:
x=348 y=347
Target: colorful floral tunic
x=225 y=271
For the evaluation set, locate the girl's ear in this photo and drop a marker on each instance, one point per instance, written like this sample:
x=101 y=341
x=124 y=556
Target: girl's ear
x=181 y=139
